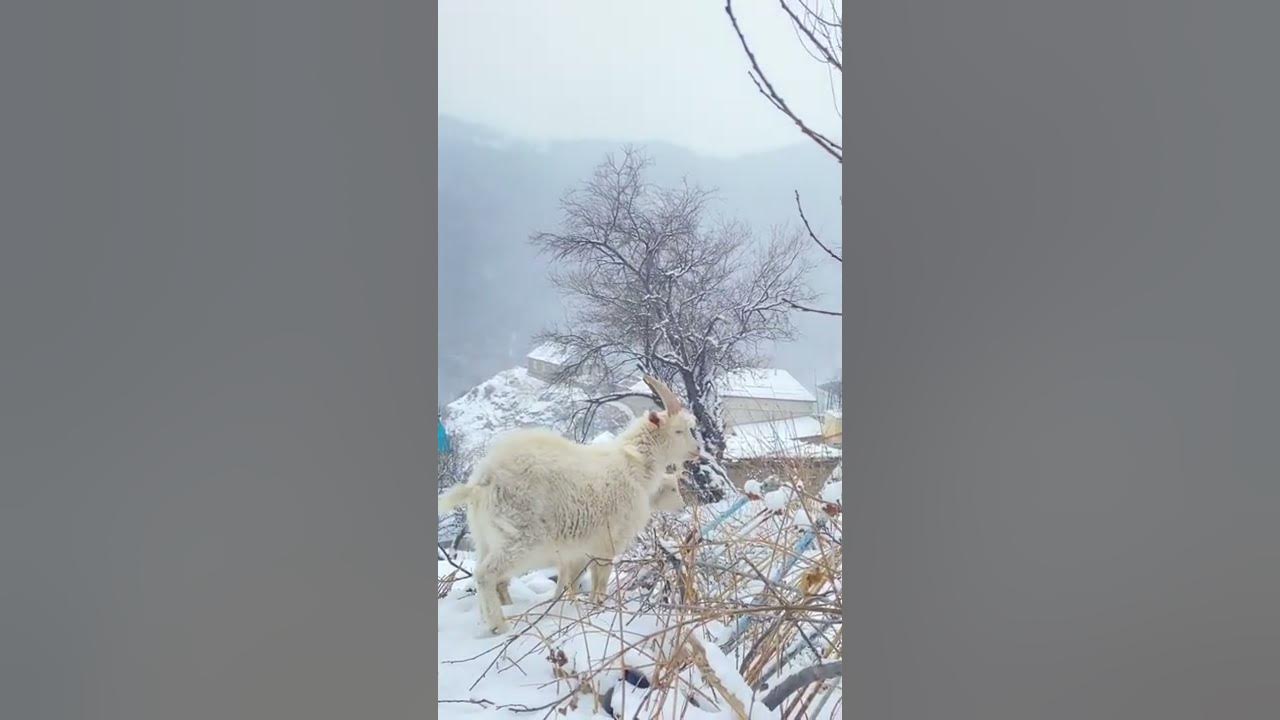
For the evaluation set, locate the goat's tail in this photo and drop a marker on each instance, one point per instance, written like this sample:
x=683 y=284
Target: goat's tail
x=459 y=496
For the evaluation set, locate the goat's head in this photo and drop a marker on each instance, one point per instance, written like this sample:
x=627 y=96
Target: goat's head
x=667 y=497
x=674 y=441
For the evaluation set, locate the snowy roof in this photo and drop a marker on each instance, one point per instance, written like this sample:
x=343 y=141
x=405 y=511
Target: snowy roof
x=758 y=383
x=777 y=438
x=549 y=353
x=764 y=383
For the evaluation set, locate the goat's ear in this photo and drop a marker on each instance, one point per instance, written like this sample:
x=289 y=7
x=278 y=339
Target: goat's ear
x=655 y=418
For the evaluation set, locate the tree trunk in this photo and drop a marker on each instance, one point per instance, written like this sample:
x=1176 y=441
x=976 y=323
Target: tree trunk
x=710 y=480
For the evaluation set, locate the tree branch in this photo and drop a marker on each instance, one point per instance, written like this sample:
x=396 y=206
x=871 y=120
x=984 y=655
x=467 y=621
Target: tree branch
x=449 y=560
x=812 y=234
x=806 y=308
x=821 y=47
x=766 y=88
x=812 y=674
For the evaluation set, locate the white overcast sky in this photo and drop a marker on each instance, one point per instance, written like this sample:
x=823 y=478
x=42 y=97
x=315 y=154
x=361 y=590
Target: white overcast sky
x=651 y=70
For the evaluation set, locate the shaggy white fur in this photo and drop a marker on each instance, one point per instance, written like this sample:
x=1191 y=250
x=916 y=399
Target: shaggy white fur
x=539 y=499
x=666 y=498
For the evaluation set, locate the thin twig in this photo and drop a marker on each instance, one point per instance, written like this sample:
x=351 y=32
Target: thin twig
x=811 y=233
x=449 y=560
x=766 y=89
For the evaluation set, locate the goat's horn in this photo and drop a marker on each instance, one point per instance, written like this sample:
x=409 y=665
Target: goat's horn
x=670 y=402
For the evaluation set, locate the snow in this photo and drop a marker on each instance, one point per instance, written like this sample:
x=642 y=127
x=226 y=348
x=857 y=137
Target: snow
x=754 y=383
x=549 y=353
x=777 y=499
x=801 y=519
x=831 y=492
x=763 y=383
x=605 y=436
x=777 y=438
x=555 y=646
x=611 y=648
x=528 y=673
x=509 y=400
x=727 y=673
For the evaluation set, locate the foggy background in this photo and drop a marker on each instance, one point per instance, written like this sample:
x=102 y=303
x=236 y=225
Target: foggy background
x=533 y=96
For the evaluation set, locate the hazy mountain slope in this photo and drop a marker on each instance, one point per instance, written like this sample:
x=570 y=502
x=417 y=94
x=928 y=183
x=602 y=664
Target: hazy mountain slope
x=495 y=192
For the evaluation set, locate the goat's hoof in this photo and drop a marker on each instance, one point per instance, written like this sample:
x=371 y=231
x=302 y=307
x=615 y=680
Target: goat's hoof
x=502 y=629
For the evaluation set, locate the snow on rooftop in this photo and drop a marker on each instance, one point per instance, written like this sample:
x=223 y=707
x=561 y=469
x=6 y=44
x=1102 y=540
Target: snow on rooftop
x=777 y=438
x=758 y=383
x=766 y=383
x=550 y=353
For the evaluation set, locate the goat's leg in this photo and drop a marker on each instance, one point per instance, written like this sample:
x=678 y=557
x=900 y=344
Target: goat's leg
x=568 y=574
x=491 y=573
x=600 y=570
x=503 y=586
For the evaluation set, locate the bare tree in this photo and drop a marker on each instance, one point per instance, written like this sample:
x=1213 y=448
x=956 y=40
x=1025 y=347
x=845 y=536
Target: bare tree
x=653 y=286
x=817 y=25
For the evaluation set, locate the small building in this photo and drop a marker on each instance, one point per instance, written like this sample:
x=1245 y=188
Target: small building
x=546 y=361
x=832 y=427
x=794 y=448
x=772 y=427
x=749 y=396
x=763 y=395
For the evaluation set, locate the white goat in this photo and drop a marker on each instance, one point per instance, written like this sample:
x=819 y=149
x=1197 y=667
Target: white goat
x=666 y=498
x=538 y=499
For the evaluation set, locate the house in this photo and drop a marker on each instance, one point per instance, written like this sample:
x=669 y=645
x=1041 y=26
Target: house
x=546 y=361
x=793 y=448
x=749 y=396
x=772 y=427
x=762 y=395
x=832 y=427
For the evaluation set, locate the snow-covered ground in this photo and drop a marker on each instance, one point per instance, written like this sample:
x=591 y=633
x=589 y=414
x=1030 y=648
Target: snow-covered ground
x=650 y=649
x=593 y=661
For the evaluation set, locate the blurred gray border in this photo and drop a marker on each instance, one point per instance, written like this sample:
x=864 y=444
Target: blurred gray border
x=216 y=443
x=1060 y=293
x=217 y=358
x=430 y=73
